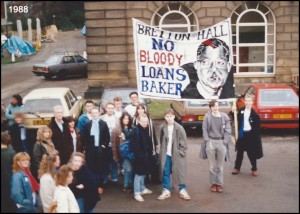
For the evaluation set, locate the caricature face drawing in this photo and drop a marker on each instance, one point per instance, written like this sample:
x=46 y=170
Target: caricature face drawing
x=212 y=68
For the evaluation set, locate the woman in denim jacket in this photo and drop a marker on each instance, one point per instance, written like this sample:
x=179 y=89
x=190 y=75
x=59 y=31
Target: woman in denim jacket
x=24 y=187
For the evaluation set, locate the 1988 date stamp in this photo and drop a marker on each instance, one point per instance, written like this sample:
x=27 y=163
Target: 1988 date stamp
x=18 y=9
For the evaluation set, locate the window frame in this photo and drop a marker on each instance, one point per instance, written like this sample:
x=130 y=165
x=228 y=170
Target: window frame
x=189 y=26
x=267 y=43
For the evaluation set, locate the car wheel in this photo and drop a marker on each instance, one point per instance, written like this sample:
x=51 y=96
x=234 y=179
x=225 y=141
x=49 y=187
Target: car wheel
x=47 y=77
x=61 y=75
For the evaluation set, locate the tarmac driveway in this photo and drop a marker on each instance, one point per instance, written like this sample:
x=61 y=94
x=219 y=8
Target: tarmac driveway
x=275 y=189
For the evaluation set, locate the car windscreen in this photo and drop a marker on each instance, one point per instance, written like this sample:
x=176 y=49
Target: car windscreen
x=41 y=105
x=53 y=59
x=109 y=95
x=200 y=103
x=280 y=97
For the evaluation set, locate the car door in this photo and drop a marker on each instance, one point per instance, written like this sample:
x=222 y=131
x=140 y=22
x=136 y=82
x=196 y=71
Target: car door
x=81 y=65
x=69 y=65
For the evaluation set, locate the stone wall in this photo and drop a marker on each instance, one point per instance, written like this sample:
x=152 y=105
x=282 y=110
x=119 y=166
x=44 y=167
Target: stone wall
x=110 y=41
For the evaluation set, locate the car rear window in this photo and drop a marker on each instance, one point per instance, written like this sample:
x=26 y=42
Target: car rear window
x=108 y=96
x=280 y=97
x=41 y=105
x=53 y=59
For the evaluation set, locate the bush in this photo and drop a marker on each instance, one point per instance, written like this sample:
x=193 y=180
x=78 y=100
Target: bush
x=63 y=23
x=77 y=18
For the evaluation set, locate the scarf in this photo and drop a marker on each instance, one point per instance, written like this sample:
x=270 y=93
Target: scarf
x=95 y=132
x=48 y=144
x=34 y=184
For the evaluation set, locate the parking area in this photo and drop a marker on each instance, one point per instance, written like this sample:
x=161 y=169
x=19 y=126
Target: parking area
x=275 y=189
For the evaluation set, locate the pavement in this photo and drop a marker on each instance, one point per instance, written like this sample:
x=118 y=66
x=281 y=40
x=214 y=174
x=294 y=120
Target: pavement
x=274 y=190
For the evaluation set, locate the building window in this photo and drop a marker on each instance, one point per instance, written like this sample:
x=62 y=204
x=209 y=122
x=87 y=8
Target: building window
x=253 y=34
x=175 y=17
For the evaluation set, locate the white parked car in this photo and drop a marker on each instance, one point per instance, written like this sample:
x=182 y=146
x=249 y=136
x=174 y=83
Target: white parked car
x=39 y=103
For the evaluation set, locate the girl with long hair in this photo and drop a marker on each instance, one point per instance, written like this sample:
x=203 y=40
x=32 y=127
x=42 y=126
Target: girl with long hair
x=119 y=135
x=46 y=174
x=64 y=197
x=141 y=110
x=24 y=186
x=43 y=145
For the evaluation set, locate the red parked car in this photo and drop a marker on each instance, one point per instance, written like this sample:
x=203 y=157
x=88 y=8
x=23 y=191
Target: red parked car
x=276 y=104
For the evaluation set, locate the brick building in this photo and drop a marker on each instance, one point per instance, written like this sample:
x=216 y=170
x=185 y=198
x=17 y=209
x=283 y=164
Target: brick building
x=265 y=36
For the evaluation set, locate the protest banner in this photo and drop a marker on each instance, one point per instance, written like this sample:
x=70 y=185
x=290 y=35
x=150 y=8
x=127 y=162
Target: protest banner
x=184 y=66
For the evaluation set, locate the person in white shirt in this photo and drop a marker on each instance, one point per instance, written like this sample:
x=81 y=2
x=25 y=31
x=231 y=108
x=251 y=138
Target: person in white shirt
x=249 y=139
x=66 y=202
x=131 y=108
x=173 y=152
x=118 y=107
x=109 y=116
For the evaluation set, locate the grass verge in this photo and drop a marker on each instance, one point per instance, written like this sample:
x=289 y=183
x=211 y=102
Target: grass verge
x=7 y=60
x=157 y=108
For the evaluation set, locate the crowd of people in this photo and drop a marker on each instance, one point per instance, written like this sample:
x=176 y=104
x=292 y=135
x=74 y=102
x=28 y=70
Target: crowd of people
x=70 y=163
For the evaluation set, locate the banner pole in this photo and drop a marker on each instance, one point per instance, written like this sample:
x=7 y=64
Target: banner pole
x=235 y=120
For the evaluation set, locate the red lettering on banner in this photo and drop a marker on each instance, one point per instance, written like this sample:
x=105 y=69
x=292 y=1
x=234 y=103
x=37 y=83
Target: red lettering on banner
x=156 y=58
x=160 y=58
x=143 y=56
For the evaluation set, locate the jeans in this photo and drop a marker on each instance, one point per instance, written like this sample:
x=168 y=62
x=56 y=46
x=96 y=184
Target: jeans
x=114 y=170
x=216 y=151
x=139 y=184
x=167 y=175
x=128 y=174
x=80 y=202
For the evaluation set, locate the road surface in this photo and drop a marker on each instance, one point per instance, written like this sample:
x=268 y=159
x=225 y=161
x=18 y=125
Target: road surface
x=18 y=77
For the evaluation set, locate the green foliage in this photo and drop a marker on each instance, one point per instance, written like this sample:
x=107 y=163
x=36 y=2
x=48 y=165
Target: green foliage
x=24 y=23
x=157 y=108
x=77 y=18
x=63 y=23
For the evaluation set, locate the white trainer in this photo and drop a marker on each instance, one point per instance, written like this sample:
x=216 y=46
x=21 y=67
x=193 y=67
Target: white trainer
x=139 y=198
x=183 y=194
x=165 y=194
x=146 y=191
